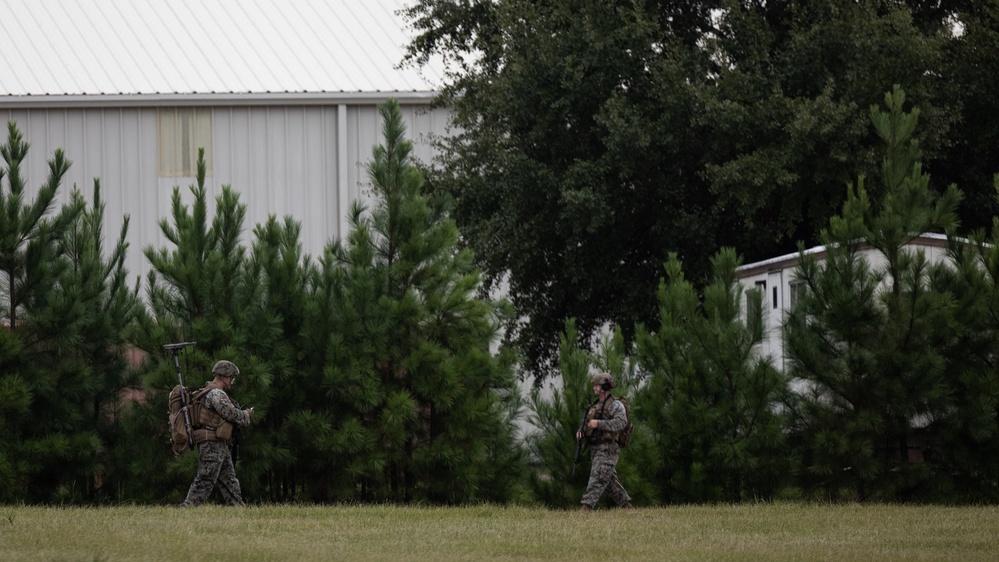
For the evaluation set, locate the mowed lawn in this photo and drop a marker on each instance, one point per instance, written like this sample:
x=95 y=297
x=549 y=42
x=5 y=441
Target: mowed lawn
x=792 y=531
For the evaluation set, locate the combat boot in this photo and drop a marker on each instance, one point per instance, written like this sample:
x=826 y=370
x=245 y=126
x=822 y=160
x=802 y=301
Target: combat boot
x=585 y=507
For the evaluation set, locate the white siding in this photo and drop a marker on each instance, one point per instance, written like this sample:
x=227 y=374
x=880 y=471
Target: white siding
x=282 y=160
x=779 y=273
x=773 y=315
x=364 y=129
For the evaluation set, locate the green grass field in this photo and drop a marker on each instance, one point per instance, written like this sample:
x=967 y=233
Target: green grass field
x=744 y=532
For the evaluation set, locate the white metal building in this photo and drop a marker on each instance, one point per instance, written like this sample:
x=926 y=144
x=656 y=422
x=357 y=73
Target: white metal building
x=773 y=280
x=282 y=94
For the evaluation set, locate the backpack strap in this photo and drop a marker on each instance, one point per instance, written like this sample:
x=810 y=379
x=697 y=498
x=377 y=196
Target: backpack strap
x=210 y=425
x=201 y=415
x=600 y=435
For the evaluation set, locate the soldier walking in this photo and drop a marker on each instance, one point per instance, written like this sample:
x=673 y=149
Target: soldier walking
x=604 y=420
x=216 y=419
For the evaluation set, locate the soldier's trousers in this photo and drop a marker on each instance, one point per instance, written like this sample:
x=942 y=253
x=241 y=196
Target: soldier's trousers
x=214 y=467
x=603 y=476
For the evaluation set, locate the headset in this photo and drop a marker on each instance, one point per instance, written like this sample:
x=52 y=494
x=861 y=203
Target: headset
x=606 y=385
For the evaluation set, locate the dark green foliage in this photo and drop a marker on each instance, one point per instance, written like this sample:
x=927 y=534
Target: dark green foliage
x=965 y=431
x=62 y=366
x=597 y=137
x=867 y=344
x=971 y=156
x=275 y=329
x=204 y=290
x=410 y=403
x=556 y=480
x=710 y=401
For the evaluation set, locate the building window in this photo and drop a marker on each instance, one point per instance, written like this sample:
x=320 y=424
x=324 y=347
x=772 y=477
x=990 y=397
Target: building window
x=182 y=131
x=754 y=309
x=797 y=291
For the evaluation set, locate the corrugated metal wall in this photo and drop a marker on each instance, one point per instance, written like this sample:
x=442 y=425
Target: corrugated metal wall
x=282 y=160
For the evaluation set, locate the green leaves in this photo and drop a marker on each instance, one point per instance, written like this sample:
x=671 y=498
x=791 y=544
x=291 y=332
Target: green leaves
x=594 y=138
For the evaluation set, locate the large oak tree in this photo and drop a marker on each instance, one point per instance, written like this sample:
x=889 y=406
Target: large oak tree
x=593 y=137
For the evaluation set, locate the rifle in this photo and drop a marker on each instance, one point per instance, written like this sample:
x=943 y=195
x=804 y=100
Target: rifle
x=579 y=440
x=235 y=436
x=235 y=444
x=176 y=347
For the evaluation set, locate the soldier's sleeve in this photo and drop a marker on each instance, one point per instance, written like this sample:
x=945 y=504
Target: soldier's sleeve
x=220 y=402
x=618 y=419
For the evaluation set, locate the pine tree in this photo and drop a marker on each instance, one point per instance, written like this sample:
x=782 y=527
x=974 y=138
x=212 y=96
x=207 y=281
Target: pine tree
x=275 y=331
x=61 y=359
x=711 y=401
x=30 y=263
x=964 y=431
x=29 y=254
x=203 y=290
x=317 y=428
x=867 y=341
x=557 y=480
x=99 y=297
x=419 y=405
x=200 y=285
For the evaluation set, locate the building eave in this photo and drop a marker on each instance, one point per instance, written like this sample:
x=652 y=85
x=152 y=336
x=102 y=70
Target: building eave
x=926 y=239
x=64 y=101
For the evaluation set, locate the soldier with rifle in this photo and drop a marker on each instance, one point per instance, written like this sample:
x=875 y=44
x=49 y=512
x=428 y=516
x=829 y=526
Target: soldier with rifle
x=604 y=419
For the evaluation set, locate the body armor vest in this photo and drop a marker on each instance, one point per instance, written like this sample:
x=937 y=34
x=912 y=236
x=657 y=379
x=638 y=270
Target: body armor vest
x=208 y=424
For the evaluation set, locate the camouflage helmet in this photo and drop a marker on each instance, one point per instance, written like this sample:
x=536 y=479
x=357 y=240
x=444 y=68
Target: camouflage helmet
x=225 y=369
x=604 y=380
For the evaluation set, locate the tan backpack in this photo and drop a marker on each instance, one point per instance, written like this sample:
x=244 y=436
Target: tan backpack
x=624 y=436
x=200 y=416
x=181 y=426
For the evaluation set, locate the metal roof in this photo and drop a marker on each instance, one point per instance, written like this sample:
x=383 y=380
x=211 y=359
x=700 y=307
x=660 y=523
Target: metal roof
x=931 y=239
x=165 y=48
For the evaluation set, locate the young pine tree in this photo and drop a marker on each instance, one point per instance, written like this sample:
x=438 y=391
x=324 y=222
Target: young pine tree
x=867 y=341
x=201 y=290
x=963 y=434
x=428 y=388
x=711 y=401
x=557 y=480
x=559 y=477
x=30 y=265
x=61 y=367
x=276 y=330
x=101 y=305
x=419 y=405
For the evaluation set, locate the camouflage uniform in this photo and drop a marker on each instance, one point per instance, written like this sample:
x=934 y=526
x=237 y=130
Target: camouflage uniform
x=604 y=451
x=215 y=463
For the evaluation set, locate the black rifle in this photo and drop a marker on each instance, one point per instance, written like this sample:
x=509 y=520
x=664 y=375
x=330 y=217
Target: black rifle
x=176 y=347
x=235 y=437
x=235 y=444
x=579 y=440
